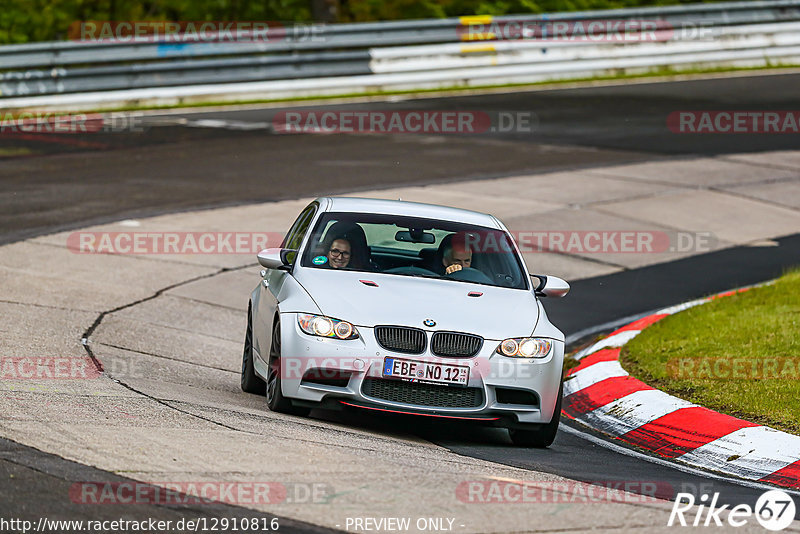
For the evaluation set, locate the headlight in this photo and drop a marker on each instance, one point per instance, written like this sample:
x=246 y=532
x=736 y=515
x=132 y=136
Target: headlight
x=525 y=347
x=319 y=325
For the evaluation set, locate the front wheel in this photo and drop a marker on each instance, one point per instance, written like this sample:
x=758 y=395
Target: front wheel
x=539 y=436
x=251 y=382
x=275 y=399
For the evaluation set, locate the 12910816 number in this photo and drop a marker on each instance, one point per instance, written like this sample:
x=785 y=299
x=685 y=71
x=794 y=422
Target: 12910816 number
x=222 y=524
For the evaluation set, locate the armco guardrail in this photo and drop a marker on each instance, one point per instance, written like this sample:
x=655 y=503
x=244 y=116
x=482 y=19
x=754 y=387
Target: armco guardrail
x=308 y=60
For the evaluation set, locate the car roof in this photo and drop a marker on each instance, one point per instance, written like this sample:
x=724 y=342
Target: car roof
x=410 y=209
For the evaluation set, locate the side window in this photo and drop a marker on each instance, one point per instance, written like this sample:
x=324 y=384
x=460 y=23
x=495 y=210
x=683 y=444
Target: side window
x=294 y=238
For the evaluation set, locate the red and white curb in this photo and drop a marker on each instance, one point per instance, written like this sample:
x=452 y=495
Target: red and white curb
x=600 y=394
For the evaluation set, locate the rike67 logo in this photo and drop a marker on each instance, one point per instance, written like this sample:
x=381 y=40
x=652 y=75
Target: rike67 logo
x=774 y=510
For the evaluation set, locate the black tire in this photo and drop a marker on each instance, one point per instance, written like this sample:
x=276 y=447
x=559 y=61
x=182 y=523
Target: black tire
x=275 y=399
x=539 y=436
x=251 y=382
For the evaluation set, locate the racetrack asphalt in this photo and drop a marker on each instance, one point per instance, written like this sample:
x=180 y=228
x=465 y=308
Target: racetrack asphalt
x=171 y=168
x=37 y=484
x=100 y=177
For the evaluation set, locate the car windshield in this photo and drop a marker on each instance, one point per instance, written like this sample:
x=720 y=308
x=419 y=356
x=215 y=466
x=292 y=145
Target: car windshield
x=411 y=246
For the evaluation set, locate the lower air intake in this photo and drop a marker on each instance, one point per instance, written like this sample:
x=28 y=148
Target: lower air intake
x=422 y=394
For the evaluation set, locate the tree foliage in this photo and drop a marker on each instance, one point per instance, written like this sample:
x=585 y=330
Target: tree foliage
x=45 y=20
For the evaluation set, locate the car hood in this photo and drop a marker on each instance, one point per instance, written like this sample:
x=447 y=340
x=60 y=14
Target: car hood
x=408 y=301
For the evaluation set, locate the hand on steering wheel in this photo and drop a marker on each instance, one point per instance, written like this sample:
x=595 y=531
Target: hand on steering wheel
x=452 y=269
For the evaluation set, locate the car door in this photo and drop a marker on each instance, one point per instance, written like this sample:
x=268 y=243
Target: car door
x=273 y=279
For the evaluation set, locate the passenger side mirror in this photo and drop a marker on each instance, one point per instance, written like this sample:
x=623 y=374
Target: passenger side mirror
x=549 y=286
x=277 y=258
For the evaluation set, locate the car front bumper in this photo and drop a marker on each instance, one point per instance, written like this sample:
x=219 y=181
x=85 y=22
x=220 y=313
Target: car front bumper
x=340 y=370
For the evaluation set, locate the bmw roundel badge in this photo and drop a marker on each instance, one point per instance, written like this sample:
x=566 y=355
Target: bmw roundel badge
x=429 y=322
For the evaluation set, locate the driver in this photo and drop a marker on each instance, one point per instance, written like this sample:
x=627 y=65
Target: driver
x=457 y=255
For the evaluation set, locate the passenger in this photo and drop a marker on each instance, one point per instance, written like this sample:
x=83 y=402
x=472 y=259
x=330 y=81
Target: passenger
x=339 y=253
x=353 y=234
x=457 y=255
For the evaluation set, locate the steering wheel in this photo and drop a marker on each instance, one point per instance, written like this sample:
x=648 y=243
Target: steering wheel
x=468 y=274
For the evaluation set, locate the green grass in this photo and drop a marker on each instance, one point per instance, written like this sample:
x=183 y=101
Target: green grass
x=754 y=326
x=9 y=152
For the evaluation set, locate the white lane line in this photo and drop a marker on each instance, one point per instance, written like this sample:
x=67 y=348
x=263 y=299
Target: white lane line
x=224 y=124
x=751 y=452
x=683 y=306
x=632 y=411
x=592 y=375
x=617 y=340
x=609 y=326
x=666 y=463
x=227 y=124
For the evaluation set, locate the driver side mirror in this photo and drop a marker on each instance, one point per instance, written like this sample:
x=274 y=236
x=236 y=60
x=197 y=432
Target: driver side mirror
x=277 y=258
x=549 y=286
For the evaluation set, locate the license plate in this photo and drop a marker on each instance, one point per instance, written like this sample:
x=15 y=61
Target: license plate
x=438 y=373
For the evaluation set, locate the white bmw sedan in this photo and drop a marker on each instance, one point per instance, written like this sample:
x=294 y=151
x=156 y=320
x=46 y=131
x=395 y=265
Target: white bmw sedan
x=408 y=308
